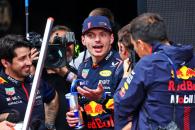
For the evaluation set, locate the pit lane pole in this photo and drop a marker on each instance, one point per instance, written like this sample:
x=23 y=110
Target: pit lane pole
x=38 y=72
x=27 y=14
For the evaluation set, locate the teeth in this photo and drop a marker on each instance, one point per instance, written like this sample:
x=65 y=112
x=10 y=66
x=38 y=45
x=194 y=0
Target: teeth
x=98 y=46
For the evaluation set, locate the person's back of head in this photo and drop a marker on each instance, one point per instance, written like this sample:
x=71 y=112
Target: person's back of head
x=149 y=27
x=60 y=27
x=124 y=37
x=103 y=12
x=9 y=43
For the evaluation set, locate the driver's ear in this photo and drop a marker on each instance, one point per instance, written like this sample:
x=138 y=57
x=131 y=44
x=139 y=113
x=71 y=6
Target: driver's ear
x=5 y=63
x=112 y=38
x=83 y=40
x=121 y=47
x=140 y=43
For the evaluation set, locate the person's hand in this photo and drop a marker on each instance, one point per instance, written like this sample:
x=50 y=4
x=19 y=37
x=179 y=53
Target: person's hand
x=126 y=67
x=34 y=54
x=61 y=71
x=5 y=125
x=71 y=119
x=92 y=94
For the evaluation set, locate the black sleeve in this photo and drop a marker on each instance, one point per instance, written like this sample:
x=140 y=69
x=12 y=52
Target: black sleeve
x=47 y=91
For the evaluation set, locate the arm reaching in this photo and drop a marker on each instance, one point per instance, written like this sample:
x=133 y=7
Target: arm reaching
x=92 y=94
x=51 y=110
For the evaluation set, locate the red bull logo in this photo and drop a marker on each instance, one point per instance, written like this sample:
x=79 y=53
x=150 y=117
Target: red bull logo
x=99 y=123
x=2 y=81
x=93 y=109
x=110 y=104
x=185 y=73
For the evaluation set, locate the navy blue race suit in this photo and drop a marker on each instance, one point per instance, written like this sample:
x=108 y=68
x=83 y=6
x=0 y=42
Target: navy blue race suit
x=14 y=97
x=99 y=113
x=150 y=91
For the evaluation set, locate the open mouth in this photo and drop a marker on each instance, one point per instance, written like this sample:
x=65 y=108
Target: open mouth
x=98 y=48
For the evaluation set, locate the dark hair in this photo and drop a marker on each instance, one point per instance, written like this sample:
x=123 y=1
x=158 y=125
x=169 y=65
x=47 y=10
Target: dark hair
x=149 y=27
x=124 y=36
x=60 y=27
x=9 y=43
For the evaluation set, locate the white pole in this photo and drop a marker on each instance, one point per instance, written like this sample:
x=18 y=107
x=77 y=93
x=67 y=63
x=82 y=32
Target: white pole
x=38 y=72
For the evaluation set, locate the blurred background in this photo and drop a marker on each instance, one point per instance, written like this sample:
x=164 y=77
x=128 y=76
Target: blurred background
x=178 y=14
x=70 y=13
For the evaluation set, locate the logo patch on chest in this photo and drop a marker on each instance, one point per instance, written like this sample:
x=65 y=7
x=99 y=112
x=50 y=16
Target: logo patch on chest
x=105 y=73
x=85 y=73
x=10 y=91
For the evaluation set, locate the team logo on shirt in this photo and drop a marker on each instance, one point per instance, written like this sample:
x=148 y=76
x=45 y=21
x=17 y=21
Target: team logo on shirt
x=105 y=73
x=10 y=91
x=114 y=64
x=85 y=73
x=110 y=104
x=117 y=63
x=2 y=81
x=93 y=108
x=185 y=73
x=124 y=89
